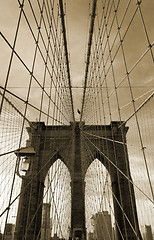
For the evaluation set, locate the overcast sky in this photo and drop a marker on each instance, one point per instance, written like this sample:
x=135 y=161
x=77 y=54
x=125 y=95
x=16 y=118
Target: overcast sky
x=77 y=22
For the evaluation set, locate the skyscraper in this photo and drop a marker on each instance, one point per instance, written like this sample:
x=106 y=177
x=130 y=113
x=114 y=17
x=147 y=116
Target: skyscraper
x=9 y=231
x=102 y=226
x=148 y=232
x=45 y=226
x=90 y=236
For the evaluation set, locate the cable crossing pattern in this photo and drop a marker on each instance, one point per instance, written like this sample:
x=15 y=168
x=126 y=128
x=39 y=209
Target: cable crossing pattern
x=41 y=137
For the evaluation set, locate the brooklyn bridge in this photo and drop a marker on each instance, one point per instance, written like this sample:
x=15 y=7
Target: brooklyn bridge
x=76 y=119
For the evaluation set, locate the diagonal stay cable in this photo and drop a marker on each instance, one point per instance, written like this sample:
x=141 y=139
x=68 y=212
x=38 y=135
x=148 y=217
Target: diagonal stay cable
x=49 y=156
x=91 y=154
x=119 y=170
x=66 y=153
x=31 y=105
x=29 y=73
x=12 y=53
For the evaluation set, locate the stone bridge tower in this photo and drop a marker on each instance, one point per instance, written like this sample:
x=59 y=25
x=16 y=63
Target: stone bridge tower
x=49 y=143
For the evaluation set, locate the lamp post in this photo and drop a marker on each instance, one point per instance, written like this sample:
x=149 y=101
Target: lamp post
x=24 y=163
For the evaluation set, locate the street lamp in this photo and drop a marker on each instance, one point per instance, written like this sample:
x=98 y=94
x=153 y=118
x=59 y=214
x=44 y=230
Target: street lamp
x=25 y=163
x=24 y=160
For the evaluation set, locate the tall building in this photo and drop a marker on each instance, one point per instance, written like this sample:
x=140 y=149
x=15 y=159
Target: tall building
x=90 y=236
x=102 y=226
x=114 y=236
x=148 y=232
x=45 y=225
x=9 y=231
x=55 y=237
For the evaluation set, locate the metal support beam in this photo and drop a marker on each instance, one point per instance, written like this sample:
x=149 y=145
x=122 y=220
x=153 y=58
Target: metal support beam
x=88 y=52
x=66 y=53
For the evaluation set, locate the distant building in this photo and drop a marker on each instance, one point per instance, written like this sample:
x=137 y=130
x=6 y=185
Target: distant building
x=55 y=237
x=148 y=232
x=114 y=235
x=9 y=231
x=102 y=226
x=46 y=225
x=90 y=236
